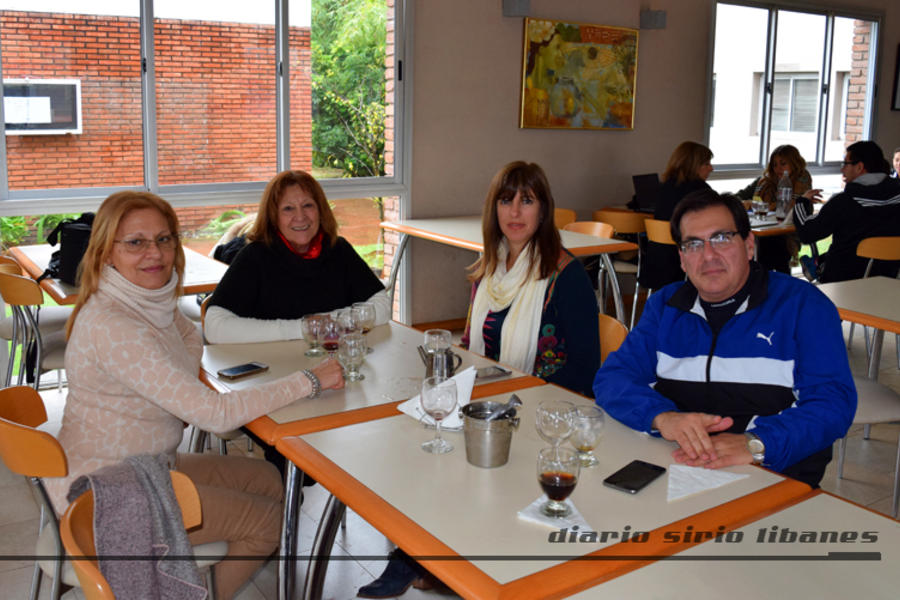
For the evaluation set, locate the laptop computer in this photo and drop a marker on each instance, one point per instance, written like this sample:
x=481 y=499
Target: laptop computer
x=646 y=191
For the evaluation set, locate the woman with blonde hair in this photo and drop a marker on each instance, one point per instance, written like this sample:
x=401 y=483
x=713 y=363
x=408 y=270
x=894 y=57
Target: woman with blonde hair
x=132 y=362
x=686 y=172
x=294 y=264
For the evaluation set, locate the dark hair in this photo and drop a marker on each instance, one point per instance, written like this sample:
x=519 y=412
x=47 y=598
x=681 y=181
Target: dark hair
x=870 y=155
x=703 y=199
x=515 y=177
x=685 y=162
x=265 y=229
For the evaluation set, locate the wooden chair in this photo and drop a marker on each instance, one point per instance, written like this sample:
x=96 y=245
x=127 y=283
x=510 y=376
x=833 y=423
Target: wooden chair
x=604 y=230
x=877 y=248
x=612 y=334
x=876 y=403
x=625 y=223
x=563 y=216
x=26 y=298
x=77 y=532
x=36 y=454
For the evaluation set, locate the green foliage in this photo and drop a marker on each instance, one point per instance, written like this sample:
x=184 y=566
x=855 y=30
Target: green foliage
x=218 y=226
x=348 y=89
x=13 y=230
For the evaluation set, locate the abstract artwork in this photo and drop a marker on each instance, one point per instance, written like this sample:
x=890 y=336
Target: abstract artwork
x=578 y=76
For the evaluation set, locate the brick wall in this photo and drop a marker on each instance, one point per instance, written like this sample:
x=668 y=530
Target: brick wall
x=215 y=100
x=859 y=74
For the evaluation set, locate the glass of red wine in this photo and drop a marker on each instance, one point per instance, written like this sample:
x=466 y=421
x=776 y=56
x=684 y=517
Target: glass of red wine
x=330 y=331
x=557 y=471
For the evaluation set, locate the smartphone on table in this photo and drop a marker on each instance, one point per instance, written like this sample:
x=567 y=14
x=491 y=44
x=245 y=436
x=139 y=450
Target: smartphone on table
x=634 y=476
x=244 y=370
x=491 y=372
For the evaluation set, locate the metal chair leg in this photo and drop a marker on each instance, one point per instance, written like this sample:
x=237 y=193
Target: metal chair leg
x=842 y=447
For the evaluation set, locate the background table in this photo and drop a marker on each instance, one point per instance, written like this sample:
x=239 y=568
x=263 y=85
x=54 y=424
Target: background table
x=754 y=569
x=201 y=273
x=461 y=521
x=465 y=232
x=875 y=302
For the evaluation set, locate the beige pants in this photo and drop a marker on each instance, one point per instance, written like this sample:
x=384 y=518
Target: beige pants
x=241 y=501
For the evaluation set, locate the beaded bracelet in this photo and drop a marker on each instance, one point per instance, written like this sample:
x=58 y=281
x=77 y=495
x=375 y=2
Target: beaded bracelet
x=316 y=384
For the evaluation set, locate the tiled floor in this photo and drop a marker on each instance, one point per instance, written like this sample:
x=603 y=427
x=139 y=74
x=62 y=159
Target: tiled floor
x=868 y=478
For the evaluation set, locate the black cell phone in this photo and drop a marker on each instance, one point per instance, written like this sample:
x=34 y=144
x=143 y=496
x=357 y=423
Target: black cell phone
x=250 y=368
x=634 y=476
x=491 y=372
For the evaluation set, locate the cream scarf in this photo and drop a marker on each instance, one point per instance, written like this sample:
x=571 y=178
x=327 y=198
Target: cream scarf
x=157 y=306
x=521 y=290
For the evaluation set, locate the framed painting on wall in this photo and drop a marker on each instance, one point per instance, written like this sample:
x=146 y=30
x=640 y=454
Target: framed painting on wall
x=578 y=76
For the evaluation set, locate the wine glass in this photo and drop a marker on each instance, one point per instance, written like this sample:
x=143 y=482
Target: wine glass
x=554 y=420
x=351 y=352
x=557 y=471
x=437 y=340
x=329 y=334
x=348 y=321
x=309 y=325
x=365 y=315
x=438 y=399
x=586 y=431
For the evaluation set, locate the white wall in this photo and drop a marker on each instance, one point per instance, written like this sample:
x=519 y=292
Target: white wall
x=467 y=77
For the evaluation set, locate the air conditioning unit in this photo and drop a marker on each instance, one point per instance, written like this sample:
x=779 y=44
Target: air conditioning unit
x=42 y=106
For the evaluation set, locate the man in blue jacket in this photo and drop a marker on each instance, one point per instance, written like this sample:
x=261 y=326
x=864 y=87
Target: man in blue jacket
x=737 y=365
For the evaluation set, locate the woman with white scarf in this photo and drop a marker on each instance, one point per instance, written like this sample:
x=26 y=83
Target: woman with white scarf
x=533 y=307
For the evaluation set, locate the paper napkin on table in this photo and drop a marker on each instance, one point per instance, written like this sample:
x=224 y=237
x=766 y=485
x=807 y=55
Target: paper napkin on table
x=532 y=513
x=465 y=381
x=685 y=481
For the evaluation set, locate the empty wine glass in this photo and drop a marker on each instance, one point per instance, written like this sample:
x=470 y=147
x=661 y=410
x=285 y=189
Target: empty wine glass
x=437 y=340
x=588 y=426
x=438 y=399
x=554 y=421
x=351 y=353
x=557 y=471
x=309 y=325
x=329 y=334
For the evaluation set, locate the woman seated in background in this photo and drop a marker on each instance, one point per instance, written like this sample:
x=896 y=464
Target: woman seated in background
x=295 y=265
x=532 y=308
x=686 y=172
x=132 y=362
x=775 y=252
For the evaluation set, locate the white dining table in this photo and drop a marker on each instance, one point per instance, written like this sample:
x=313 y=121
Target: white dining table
x=393 y=373
x=822 y=547
x=460 y=521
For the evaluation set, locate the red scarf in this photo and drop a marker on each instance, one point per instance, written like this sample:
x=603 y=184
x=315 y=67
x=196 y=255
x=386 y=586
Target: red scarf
x=313 y=250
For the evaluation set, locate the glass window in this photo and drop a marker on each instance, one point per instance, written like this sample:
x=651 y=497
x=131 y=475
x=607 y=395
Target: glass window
x=770 y=86
x=99 y=50
x=215 y=91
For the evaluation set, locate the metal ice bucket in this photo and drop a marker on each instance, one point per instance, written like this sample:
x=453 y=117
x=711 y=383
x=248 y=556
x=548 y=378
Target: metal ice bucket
x=487 y=442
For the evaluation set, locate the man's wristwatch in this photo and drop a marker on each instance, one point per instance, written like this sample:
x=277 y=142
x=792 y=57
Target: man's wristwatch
x=756 y=447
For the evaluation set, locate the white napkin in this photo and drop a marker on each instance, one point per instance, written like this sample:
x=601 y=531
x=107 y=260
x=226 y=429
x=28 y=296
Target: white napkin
x=465 y=381
x=685 y=481
x=532 y=513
